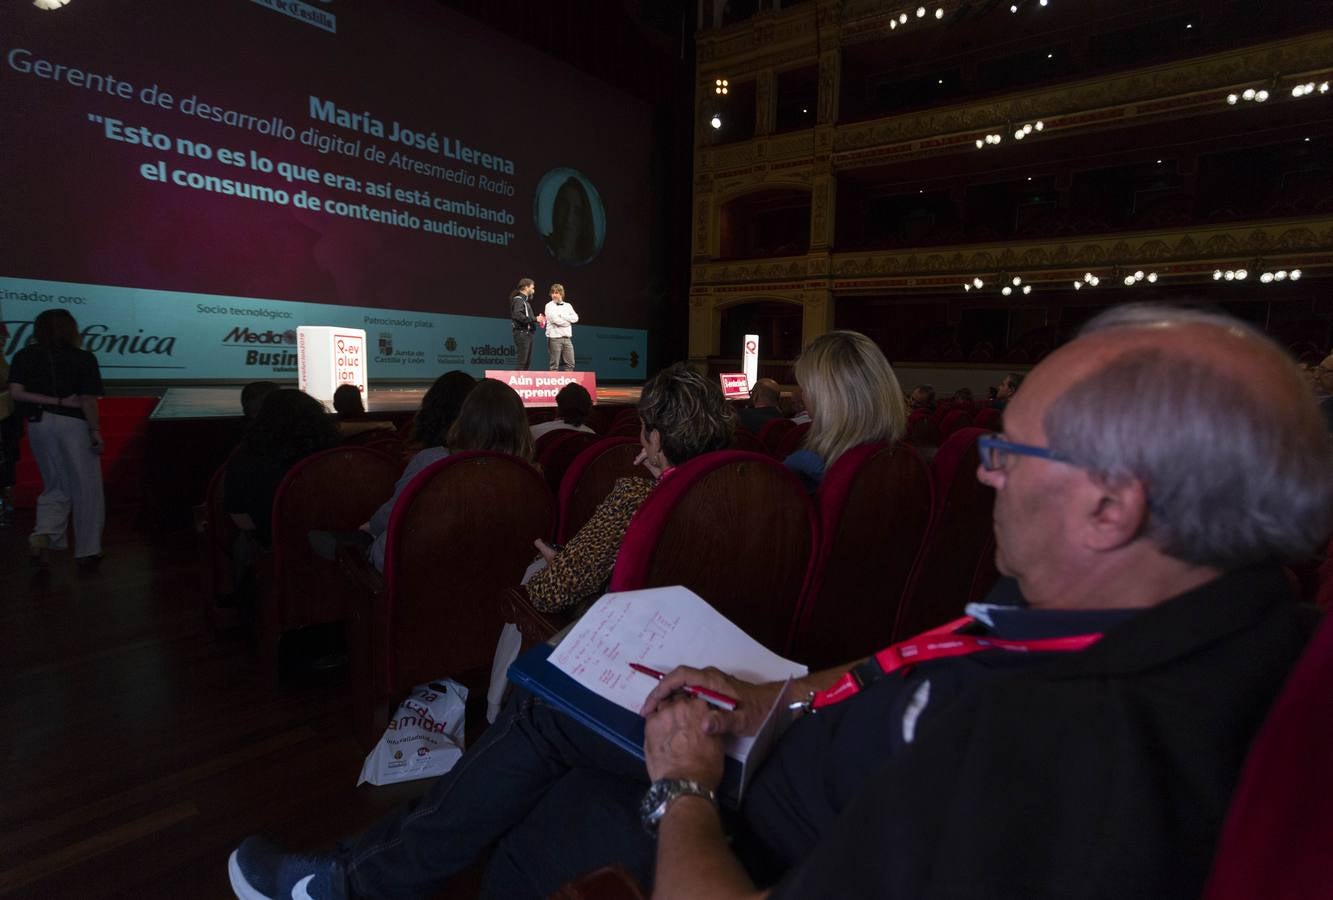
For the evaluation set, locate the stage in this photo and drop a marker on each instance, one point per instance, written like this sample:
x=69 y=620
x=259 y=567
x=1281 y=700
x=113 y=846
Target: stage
x=224 y=401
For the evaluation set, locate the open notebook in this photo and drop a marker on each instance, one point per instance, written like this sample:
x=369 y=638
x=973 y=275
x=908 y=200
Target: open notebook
x=587 y=675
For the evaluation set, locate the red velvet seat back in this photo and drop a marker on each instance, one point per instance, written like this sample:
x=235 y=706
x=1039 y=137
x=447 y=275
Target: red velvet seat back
x=1276 y=839
x=771 y=433
x=989 y=418
x=589 y=480
x=736 y=528
x=959 y=549
x=874 y=509
x=334 y=490
x=218 y=537
x=791 y=440
x=558 y=455
x=459 y=533
x=954 y=419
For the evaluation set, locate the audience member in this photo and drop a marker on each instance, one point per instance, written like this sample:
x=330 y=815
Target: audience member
x=764 y=406
x=11 y=436
x=683 y=416
x=853 y=398
x=58 y=384
x=922 y=398
x=1143 y=525
x=1005 y=390
x=492 y=418
x=290 y=426
x=962 y=395
x=439 y=410
x=252 y=397
x=574 y=403
x=799 y=414
x=1322 y=378
x=350 y=411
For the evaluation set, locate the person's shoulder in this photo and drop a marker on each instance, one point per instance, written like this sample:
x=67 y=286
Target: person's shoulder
x=633 y=486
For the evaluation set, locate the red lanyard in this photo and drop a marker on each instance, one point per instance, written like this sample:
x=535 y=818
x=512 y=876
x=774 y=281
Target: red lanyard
x=941 y=643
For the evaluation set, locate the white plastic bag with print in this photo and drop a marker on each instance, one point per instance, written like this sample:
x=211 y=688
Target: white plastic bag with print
x=424 y=737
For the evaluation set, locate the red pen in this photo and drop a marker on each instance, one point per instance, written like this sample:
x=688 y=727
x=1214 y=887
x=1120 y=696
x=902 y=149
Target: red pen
x=712 y=698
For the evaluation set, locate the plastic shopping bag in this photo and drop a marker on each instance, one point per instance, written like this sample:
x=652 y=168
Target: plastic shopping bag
x=424 y=737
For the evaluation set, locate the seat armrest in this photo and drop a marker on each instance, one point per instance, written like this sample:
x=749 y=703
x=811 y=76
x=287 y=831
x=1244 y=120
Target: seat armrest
x=534 y=626
x=353 y=563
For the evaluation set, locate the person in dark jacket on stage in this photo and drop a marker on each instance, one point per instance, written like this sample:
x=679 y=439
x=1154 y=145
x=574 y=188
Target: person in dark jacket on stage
x=523 y=321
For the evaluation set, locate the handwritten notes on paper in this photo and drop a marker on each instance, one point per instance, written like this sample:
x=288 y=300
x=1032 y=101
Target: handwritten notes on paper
x=661 y=628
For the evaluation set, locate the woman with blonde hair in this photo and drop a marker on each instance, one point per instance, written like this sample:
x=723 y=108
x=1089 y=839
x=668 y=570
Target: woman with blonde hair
x=853 y=398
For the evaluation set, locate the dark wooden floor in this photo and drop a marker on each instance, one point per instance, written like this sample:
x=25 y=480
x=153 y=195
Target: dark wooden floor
x=136 y=750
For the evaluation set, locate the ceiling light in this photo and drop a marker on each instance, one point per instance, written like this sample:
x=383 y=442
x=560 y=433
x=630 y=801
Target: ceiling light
x=1152 y=277
x=902 y=19
x=978 y=283
x=1229 y=275
x=1248 y=95
x=1027 y=288
x=1138 y=276
x=1129 y=279
x=967 y=285
x=920 y=12
x=1013 y=8
x=939 y=13
x=1217 y=275
x=1266 y=278
x=1260 y=96
x=1007 y=290
x=1040 y=125
x=893 y=23
x=1241 y=274
x=1280 y=275
x=1232 y=98
x=716 y=122
x=981 y=143
x=1078 y=285
x=1017 y=281
x=1295 y=274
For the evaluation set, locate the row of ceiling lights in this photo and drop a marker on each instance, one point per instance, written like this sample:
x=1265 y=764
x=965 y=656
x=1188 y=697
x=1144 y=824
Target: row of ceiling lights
x=1015 y=283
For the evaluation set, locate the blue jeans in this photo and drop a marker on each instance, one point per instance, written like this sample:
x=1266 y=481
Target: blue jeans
x=550 y=799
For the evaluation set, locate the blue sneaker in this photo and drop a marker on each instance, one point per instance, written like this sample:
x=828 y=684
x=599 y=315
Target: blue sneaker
x=259 y=870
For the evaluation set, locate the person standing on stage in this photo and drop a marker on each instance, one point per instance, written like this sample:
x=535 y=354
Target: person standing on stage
x=58 y=384
x=560 y=319
x=523 y=321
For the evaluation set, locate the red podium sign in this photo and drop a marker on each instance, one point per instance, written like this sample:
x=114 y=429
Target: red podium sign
x=734 y=385
x=540 y=388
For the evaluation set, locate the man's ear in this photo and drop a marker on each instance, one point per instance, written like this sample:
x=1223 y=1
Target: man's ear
x=1116 y=512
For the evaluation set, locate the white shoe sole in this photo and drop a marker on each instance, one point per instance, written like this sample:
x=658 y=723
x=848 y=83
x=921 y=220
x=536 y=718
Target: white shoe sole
x=239 y=885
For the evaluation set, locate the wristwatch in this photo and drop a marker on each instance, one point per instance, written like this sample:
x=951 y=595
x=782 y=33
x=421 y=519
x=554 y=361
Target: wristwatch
x=661 y=794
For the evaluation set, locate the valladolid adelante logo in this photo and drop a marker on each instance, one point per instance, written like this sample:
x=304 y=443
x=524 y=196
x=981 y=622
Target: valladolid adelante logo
x=99 y=339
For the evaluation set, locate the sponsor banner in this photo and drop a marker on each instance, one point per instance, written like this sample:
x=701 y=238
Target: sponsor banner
x=734 y=385
x=173 y=336
x=540 y=388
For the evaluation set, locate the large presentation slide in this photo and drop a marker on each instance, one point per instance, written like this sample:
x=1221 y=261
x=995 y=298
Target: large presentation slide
x=194 y=181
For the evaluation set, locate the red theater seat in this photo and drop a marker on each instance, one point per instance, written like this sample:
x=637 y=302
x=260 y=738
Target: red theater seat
x=559 y=453
x=954 y=419
x=958 y=549
x=770 y=435
x=589 y=480
x=989 y=418
x=874 y=508
x=461 y=531
x=1275 y=843
x=334 y=490
x=736 y=528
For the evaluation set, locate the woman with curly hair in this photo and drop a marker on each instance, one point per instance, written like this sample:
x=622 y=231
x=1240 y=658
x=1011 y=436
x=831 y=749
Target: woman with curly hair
x=684 y=415
x=853 y=398
x=290 y=426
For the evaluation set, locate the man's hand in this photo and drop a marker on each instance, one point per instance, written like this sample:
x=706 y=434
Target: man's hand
x=678 y=742
x=541 y=320
x=755 y=699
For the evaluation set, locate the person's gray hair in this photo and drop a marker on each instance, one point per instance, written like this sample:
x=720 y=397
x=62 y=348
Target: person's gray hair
x=1233 y=477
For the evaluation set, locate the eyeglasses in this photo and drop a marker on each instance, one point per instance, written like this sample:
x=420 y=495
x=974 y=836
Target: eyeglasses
x=993 y=450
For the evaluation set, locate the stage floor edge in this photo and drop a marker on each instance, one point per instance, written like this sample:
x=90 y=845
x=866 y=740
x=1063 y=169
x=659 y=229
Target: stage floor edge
x=224 y=401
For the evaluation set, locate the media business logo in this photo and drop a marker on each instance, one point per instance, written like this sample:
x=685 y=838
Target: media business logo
x=276 y=359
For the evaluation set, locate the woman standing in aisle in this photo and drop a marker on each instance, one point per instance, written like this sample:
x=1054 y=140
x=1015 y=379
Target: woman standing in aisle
x=58 y=384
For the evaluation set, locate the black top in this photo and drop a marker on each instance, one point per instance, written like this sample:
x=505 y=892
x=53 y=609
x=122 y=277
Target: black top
x=520 y=312
x=1104 y=773
x=58 y=372
x=756 y=417
x=249 y=486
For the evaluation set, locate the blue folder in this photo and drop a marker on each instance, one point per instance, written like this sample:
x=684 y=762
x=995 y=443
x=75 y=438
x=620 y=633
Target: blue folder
x=533 y=673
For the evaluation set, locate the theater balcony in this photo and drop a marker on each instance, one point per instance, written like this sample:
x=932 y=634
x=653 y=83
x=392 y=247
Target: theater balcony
x=969 y=182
